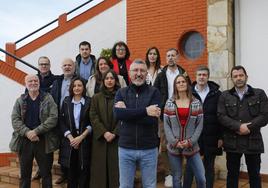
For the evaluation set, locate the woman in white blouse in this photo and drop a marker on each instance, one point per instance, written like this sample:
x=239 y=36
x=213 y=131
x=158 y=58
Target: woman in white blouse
x=153 y=63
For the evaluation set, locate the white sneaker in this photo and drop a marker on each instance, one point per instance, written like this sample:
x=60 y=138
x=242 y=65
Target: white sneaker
x=168 y=181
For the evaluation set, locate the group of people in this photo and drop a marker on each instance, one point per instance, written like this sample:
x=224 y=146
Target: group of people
x=109 y=116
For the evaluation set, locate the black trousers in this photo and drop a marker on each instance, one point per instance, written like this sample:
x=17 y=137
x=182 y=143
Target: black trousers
x=253 y=162
x=28 y=152
x=78 y=177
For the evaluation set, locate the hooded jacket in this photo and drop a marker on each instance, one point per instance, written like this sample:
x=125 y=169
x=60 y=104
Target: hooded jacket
x=212 y=129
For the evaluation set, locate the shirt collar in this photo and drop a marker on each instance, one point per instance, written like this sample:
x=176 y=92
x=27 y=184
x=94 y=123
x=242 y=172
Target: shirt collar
x=87 y=61
x=241 y=92
x=204 y=90
x=82 y=101
x=173 y=72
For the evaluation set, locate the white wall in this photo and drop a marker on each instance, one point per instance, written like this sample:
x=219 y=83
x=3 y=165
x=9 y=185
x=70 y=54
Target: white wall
x=251 y=47
x=102 y=31
x=10 y=91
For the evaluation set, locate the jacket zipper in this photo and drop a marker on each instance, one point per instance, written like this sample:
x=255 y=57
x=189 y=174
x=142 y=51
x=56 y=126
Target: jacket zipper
x=137 y=96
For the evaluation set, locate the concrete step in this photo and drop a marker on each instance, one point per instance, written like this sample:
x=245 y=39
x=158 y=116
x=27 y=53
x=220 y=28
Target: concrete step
x=14 y=161
x=6 y=185
x=11 y=176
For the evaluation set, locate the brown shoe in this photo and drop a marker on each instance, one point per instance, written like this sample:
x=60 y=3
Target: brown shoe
x=37 y=176
x=61 y=180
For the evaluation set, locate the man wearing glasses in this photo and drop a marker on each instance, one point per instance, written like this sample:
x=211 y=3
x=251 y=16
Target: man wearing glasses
x=45 y=75
x=136 y=106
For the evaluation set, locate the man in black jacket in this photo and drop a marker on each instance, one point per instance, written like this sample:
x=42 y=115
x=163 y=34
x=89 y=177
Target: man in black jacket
x=136 y=106
x=164 y=80
x=210 y=141
x=60 y=90
x=242 y=111
x=45 y=75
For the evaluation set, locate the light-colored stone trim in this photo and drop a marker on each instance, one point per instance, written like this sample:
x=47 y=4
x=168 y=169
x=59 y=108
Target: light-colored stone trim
x=220 y=47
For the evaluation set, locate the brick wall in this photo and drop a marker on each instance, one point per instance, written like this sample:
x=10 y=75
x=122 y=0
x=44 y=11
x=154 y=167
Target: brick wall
x=162 y=24
x=4 y=158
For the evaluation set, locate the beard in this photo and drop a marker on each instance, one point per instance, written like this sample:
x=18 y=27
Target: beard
x=33 y=89
x=171 y=64
x=240 y=84
x=138 y=81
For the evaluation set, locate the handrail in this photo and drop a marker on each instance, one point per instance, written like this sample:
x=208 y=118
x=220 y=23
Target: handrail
x=18 y=59
x=52 y=22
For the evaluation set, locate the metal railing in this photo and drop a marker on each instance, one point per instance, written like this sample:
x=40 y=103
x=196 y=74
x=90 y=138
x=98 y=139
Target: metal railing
x=18 y=59
x=52 y=22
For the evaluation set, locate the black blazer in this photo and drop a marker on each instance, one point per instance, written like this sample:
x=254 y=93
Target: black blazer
x=67 y=123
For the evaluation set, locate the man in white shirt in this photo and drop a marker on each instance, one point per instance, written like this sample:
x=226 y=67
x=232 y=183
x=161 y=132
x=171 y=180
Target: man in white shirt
x=210 y=140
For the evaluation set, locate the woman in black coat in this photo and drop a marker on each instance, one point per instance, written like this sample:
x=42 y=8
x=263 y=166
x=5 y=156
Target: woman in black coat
x=76 y=143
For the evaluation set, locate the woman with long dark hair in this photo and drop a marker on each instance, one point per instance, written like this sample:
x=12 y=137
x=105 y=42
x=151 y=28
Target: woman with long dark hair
x=76 y=144
x=104 y=169
x=183 y=123
x=120 y=60
x=94 y=82
x=153 y=63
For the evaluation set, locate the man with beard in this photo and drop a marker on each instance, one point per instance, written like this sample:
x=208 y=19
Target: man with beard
x=34 y=117
x=243 y=111
x=164 y=83
x=136 y=106
x=165 y=79
x=85 y=62
x=60 y=90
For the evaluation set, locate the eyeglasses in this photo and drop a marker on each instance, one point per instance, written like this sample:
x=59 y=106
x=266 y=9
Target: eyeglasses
x=120 y=49
x=139 y=70
x=44 y=64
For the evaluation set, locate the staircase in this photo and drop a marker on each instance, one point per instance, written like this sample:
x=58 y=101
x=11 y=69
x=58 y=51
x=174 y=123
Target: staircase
x=10 y=175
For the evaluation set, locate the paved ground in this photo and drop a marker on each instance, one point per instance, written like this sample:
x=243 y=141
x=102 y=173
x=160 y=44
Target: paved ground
x=219 y=184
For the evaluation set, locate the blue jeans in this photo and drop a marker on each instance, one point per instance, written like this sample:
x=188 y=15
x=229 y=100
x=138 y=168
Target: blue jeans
x=147 y=161
x=194 y=162
x=208 y=161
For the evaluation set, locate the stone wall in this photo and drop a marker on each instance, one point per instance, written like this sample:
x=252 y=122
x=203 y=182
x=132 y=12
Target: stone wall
x=220 y=40
x=220 y=46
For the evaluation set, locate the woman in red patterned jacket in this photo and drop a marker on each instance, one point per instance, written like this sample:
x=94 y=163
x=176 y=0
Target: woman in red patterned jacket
x=183 y=123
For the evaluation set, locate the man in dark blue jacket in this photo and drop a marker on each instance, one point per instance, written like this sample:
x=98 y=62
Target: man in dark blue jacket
x=137 y=108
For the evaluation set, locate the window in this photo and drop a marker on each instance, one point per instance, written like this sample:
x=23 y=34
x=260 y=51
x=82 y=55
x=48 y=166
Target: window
x=192 y=45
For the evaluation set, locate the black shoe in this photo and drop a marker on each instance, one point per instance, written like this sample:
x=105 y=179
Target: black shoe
x=61 y=180
x=37 y=176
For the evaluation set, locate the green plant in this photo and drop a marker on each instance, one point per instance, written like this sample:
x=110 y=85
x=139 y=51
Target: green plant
x=107 y=52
